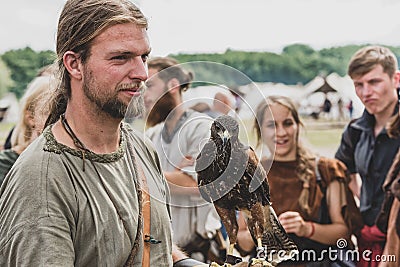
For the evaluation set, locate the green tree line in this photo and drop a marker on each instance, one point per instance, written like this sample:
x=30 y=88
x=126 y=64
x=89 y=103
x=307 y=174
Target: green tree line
x=19 y=67
x=297 y=63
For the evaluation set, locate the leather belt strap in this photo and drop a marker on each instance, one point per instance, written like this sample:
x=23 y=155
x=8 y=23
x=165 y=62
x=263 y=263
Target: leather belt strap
x=146 y=209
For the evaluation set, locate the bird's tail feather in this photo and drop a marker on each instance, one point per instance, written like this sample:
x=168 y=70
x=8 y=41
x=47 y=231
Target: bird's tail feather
x=280 y=241
x=277 y=245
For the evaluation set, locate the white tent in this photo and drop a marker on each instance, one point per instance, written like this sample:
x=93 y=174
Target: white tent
x=303 y=95
x=256 y=92
x=344 y=89
x=203 y=94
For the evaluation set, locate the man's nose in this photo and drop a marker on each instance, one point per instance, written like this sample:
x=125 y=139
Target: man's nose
x=366 y=90
x=138 y=69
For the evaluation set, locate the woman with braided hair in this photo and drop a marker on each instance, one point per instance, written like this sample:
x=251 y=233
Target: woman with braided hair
x=308 y=193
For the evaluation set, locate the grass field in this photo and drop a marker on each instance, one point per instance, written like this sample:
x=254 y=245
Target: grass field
x=324 y=142
x=322 y=136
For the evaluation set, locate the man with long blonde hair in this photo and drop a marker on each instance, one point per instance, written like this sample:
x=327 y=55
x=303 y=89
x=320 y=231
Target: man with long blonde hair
x=89 y=190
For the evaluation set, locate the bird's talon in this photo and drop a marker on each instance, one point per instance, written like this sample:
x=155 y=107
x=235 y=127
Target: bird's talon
x=260 y=262
x=230 y=259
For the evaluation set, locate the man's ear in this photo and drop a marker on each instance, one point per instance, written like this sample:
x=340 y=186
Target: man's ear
x=173 y=85
x=72 y=63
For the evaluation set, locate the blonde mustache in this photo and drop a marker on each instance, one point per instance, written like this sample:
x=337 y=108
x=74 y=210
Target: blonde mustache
x=133 y=86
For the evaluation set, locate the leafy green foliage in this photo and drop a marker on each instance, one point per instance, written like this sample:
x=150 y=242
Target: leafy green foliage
x=24 y=65
x=298 y=63
x=5 y=78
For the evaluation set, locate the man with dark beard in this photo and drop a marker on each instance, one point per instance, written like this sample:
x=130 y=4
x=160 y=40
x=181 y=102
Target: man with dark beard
x=178 y=134
x=77 y=195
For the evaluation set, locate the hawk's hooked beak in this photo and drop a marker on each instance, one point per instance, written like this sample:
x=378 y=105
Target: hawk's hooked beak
x=225 y=136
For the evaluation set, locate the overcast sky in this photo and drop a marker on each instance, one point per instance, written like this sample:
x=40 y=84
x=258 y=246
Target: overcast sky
x=216 y=25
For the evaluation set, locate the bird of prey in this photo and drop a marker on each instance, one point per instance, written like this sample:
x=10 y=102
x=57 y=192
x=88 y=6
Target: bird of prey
x=232 y=178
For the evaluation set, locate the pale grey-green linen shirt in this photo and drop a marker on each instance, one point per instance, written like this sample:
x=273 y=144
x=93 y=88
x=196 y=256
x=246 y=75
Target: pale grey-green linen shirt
x=52 y=213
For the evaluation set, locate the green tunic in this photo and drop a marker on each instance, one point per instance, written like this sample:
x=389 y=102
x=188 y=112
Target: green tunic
x=52 y=213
